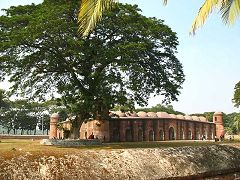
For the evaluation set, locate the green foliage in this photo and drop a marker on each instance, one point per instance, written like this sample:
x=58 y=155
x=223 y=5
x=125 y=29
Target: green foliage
x=160 y=108
x=231 y=123
x=127 y=57
x=236 y=123
x=236 y=96
x=4 y=101
x=25 y=115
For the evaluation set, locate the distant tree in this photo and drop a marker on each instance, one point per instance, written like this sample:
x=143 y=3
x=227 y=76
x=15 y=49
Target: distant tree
x=236 y=96
x=230 y=122
x=209 y=116
x=127 y=57
x=236 y=122
x=160 y=108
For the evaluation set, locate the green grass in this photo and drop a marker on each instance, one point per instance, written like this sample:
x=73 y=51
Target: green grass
x=12 y=147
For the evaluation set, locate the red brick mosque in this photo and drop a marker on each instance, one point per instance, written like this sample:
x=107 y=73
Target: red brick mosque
x=142 y=126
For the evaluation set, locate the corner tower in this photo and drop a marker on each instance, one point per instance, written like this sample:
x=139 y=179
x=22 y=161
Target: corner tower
x=53 y=126
x=218 y=120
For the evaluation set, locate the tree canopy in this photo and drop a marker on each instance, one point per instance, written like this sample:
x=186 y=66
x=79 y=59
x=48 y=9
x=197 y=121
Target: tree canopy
x=127 y=58
x=160 y=108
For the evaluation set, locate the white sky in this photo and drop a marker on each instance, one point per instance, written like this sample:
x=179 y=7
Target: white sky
x=210 y=59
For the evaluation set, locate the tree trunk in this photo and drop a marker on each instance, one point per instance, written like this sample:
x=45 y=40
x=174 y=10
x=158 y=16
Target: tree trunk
x=21 y=131
x=9 y=129
x=76 y=124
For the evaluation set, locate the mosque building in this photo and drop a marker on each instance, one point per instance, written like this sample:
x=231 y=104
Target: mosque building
x=142 y=126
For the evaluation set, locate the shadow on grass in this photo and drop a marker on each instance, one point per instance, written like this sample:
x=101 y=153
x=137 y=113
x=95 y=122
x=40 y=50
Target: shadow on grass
x=132 y=145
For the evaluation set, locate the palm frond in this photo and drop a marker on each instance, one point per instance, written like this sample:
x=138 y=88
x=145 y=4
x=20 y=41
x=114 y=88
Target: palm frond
x=230 y=10
x=90 y=13
x=203 y=13
x=164 y=2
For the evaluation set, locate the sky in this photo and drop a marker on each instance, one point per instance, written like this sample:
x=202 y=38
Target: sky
x=210 y=59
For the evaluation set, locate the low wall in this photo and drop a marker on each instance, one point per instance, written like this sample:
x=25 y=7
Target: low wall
x=71 y=142
x=23 y=136
x=155 y=163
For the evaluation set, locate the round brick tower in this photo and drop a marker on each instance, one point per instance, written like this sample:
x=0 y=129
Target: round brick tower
x=218 y=120
x=53 y=126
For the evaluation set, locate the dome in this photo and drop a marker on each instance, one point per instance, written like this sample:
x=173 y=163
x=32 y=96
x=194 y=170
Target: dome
x=202 y=118
x=152 y=114
x=218 y=113
x=173 y=116
x=55 y=115
x=187 y=117
x=195 y=118
x=142 y=114
x=180 y=116
x=112 y=114
x=120 y=114
x=134 y=114
x=163 y=115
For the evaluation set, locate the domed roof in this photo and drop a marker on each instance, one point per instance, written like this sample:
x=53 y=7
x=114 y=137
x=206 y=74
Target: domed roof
x=195 y=118
x=152 y=114
x=134 y=114
x=142 y=114
x=173 y=115
x=120 y=114
x=55 y=115
x=163 y=115
x=218 y=113
x=202 y=118
x=187 y=117
x=180 y=116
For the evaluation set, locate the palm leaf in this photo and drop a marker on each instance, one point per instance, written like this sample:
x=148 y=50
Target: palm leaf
x=203 y=13
x=230 y=10
x=91 y=12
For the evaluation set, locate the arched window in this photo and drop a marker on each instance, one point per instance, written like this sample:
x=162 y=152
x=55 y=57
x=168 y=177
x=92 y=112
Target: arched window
x=182 y=134
x=129 y=135
x=116 y=136
x=151 y=135
x=140 y=135
x=161 y=133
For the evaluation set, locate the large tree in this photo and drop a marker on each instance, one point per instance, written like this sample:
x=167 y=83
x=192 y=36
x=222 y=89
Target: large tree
x=90 y=12
x=127 y=58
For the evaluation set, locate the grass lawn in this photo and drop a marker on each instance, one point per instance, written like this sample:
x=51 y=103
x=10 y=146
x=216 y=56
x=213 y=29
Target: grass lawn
x=13 y=147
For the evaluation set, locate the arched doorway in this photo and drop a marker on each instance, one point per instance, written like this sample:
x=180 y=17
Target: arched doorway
x=204 y=134
x=189 y=134
x=161 y=133
x=171 y=133
x=151 y=135
x=140 y=135
x=128 y=135
x=116 y=136
x=181 y=134
x=197 y=134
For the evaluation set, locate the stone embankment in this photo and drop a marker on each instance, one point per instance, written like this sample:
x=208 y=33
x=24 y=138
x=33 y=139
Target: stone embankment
x=181 y=162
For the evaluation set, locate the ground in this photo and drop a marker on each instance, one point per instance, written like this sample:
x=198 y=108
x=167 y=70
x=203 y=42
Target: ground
x=27 y=159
